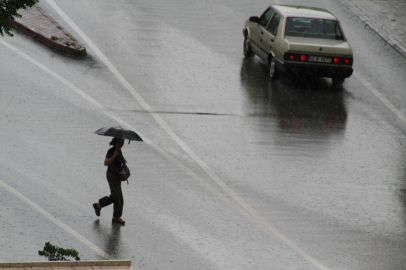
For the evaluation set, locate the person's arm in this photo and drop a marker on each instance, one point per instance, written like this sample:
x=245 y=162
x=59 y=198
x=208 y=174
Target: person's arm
x=108 y=161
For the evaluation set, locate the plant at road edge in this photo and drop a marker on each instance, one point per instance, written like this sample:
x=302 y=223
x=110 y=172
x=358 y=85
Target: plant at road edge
x=58 y=254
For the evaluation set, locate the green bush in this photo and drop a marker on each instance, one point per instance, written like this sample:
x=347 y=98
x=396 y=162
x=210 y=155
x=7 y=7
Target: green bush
x=58 y=254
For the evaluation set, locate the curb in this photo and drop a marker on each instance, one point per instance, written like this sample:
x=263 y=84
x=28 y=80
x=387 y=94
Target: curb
x=124 y=263
x=384 y=37
x=49 y=40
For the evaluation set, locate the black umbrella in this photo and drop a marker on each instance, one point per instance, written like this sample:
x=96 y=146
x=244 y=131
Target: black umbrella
x=119 y=132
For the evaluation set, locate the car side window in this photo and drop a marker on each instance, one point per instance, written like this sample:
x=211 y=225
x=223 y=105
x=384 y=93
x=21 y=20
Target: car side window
x=273 y=25
x=266 y=16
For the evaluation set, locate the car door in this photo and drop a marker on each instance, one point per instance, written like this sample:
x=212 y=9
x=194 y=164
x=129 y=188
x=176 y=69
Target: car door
x=271 y=39
x=258 y=31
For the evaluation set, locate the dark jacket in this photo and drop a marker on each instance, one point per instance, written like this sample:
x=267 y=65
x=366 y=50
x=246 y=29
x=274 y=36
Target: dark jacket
x=117 y=163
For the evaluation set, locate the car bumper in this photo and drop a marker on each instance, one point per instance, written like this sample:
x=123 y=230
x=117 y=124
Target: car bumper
x=316 y=70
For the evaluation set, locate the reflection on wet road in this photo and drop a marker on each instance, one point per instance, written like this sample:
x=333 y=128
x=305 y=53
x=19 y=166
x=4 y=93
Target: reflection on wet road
x=110 y=236
x=300 y=105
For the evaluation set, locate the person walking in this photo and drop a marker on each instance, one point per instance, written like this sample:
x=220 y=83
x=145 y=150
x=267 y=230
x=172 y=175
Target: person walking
x=114 y=161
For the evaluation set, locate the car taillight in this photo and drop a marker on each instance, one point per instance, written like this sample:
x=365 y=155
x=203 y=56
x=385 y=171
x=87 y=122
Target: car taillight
x=342 y=61
x=295 y=57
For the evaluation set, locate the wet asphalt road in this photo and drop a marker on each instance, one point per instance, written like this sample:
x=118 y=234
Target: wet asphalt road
x=235 y=172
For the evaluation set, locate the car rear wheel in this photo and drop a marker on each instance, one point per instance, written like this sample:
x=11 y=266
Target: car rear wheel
x=247 y=47
x=273 y=70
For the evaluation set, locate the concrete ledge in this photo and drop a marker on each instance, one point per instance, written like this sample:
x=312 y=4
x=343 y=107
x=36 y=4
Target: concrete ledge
x=37 y=24
x=48 y=41
x=50 y=264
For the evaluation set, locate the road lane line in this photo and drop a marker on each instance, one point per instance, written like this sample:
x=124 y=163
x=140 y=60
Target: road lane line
x=56 y=221
x=180 y=142
x=52 y=73
x=379 y=95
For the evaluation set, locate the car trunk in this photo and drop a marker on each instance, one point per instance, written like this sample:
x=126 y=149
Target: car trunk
x=317 y=46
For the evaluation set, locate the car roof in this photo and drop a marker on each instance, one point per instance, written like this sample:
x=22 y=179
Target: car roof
x=301 y=11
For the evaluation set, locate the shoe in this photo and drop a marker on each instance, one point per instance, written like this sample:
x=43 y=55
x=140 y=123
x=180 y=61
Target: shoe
x=118 y=221
x=96 y=209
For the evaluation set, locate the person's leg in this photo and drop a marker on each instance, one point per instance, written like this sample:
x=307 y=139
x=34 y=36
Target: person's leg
x=117 y=196
x=105 y=201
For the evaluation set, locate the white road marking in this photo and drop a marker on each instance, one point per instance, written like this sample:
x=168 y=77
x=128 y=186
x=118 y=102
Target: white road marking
x=53 y=74
x=378 y=94
x=56 y=221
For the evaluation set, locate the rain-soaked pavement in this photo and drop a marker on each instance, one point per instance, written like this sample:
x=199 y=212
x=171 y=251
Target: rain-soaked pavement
x=235 y=172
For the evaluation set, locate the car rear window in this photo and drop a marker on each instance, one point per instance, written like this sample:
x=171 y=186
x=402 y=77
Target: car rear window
x=313 y=28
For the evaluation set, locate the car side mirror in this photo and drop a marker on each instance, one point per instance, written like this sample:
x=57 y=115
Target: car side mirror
x=254 y=19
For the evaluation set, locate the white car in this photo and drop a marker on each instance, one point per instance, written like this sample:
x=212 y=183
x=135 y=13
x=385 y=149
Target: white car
x=301 y=40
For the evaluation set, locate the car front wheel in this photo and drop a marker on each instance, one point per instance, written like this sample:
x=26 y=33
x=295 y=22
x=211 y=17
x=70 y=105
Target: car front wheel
x=247 y=47
x=273 y=70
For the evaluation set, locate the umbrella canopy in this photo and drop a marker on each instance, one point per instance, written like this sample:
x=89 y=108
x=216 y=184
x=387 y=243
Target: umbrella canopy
x=119 y=132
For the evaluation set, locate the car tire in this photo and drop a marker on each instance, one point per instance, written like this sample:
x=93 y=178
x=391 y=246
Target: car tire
x=338 y=80
x=247 y=48
x=273 y=70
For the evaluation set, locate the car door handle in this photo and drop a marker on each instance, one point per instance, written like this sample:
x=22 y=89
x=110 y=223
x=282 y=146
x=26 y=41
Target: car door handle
x=272 y=39
x=262 y=32
x=260 y=40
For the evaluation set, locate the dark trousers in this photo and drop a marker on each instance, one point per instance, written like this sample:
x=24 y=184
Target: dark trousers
x=116 y=196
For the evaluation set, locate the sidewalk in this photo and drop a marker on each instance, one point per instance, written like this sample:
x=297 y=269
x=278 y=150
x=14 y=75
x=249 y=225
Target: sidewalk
x=67 y=265
x=385 y=17
x=36 y=23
